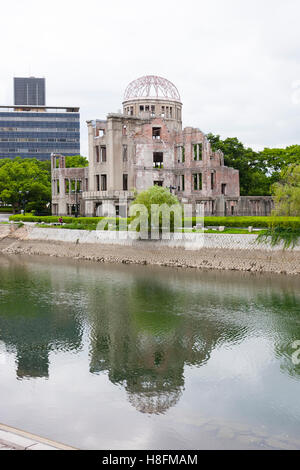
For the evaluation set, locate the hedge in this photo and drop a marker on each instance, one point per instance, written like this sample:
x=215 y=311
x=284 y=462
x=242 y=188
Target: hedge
x=66 y=220
x=6 y=209
x=257 y=222
x=239 y=222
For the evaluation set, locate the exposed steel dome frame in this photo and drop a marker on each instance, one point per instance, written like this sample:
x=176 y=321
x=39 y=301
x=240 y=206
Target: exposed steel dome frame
x=151 y=86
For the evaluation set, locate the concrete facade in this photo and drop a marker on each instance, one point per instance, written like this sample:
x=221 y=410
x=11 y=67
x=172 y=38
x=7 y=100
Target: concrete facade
x=145 y=146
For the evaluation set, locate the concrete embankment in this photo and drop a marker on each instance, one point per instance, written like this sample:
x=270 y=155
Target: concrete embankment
x=210 y=251
x=15 y=439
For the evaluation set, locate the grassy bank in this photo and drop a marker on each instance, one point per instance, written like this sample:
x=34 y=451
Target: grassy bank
x=236 y=222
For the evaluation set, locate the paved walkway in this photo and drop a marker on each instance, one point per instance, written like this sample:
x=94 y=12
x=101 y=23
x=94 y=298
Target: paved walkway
x=15 y=439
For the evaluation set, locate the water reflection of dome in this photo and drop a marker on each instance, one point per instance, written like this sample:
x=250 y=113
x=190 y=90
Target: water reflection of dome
x=154 y=403
x=155 y=394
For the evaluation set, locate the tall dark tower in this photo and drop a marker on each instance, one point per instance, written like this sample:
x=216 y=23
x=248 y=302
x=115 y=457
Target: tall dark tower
x=29 y=91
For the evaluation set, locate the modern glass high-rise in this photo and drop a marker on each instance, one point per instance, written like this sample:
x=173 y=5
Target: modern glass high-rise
x=35 y=130
x=29 y=91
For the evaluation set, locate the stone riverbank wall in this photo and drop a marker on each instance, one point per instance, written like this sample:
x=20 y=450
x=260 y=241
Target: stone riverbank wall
x=194 y=250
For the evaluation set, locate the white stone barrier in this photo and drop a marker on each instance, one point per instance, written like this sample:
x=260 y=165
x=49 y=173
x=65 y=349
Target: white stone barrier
x=188 y=241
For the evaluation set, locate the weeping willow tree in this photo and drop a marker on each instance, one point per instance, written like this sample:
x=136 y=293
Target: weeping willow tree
x=286 y=193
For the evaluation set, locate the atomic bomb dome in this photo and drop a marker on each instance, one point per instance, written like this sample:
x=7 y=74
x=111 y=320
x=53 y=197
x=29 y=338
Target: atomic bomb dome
x=152 y=96
x=142 y=146
x=151 y=86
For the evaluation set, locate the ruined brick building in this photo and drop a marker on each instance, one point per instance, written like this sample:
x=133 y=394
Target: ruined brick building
x=145 y=146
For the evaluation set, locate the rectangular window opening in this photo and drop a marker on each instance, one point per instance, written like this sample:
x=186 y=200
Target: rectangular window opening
x=103 y=182
x=200 y=151
x=103 y=154
x=124 y=153
x=156 y=133
x=125 y=182
x=197 y=181
x=158 y=159
x=195 y=151
x=97 y=154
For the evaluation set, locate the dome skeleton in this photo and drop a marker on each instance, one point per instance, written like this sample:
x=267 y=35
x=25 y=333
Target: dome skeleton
x=142 y=88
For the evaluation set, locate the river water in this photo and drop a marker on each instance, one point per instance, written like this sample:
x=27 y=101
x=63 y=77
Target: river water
x=139 y=357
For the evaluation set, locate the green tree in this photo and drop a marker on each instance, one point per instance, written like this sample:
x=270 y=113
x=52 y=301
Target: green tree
x=155 y=195
x=275 y=160
x=254 y=180
x=25 y=179
x=76 y=161
x=158 y=196
x=287 y=192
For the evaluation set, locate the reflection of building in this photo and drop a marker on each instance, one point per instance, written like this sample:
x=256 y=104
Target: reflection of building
x=146 y=351
x=152 y=373
x=30 y=129
x=36 y=332
x=31 y=361
x=145 y=146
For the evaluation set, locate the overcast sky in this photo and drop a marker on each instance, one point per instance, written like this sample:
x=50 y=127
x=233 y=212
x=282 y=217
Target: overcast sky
x=236 y=63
